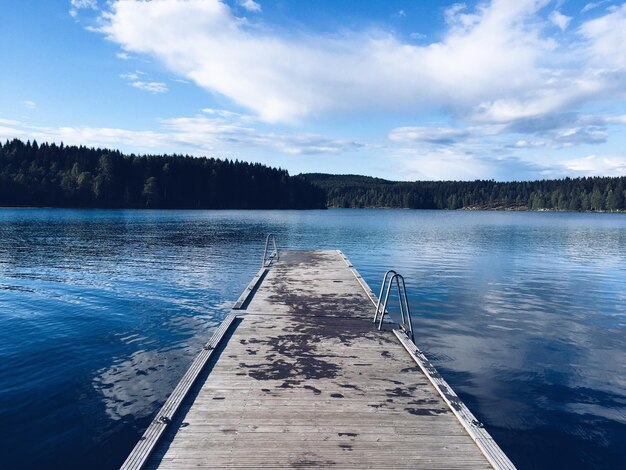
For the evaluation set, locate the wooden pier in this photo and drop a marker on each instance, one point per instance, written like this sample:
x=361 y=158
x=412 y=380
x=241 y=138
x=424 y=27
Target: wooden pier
x=297 y=376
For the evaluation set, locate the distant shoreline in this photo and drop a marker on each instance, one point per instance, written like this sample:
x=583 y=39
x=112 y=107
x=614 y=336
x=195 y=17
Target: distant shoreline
x=382 y=208
x=152 y=209
x=587 y=194
x=485 y=209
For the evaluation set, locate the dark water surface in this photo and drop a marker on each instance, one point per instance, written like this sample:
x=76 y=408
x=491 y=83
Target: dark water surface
x=101 y=312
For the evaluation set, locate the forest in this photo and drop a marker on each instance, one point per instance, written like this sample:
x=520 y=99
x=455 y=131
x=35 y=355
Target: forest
x=568 y=194
x=53 y=175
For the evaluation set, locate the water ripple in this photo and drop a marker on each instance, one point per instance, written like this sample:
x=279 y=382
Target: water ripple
x=101 y=312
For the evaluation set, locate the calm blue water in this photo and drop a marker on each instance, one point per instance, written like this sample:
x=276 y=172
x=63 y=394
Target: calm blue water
x=101 y=312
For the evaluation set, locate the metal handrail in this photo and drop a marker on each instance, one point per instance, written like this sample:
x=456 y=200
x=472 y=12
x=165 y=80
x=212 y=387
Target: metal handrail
x=380 y=294
x=406 y=322
x=274 y=254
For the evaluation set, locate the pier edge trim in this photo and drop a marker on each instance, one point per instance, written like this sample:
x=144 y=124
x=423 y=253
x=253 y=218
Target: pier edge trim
x=151 y=437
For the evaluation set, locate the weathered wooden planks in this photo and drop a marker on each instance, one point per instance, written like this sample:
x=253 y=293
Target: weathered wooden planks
x=305 y=380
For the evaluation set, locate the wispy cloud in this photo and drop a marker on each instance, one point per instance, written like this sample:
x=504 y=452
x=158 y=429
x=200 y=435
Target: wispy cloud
x=30 y=104
x=93 y=4
x=563 y=130
x=437 y=153
x=500 y=150
x=152 y=87
x=135 y=79
x=226 y=129
x=132 y=75
x=223 y=113
x=593 y=5
x=10 y=122
x=214 y=131
x=429 y=135
x=560 y=20
x=81 y=5
x=457 y=164
x=250 y=5
x=555 y=131
x=597 y=165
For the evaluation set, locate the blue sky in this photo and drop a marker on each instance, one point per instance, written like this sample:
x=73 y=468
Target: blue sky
x=502 y=89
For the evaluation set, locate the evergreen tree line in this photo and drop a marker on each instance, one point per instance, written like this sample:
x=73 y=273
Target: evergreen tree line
x=569 y=194
x=68 y=176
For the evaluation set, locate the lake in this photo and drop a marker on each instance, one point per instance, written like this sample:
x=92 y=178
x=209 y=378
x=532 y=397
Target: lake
x=101 y=312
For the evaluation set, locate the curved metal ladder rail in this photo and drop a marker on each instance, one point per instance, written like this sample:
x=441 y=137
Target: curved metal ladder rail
x=380 y=294
x=274 y=254
x=406 y=322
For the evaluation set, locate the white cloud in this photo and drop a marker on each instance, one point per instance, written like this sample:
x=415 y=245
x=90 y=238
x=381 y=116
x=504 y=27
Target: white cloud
x=30 y=104
x=429 y=135
x=548 y=132
x=283 y=79
x=563 y=130
x=122 y=56
x=10 y=122
x=606 y=37
x=616 y=119
x=131 y=75
x=81 y=5
x=152 y=87
x=456 y=164
x=560 y=20
x=97 y=137
x=441 y=165
x=524 y=144
x=250 y=5
x=494 y=61
x=226 y=129
x=223 y=113
x=597 y=165
x=93 y=4
x=135 y=80
x=417 y=36
x=593 y=5
x=223 y=132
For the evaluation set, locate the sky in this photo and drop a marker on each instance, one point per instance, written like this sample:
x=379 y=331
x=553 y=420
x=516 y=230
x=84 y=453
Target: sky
x=402 y=90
